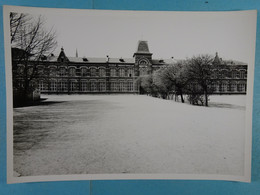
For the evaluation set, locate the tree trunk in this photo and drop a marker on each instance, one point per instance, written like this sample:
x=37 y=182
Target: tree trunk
x=25 y=90
x=182 y=99
x=206 y=97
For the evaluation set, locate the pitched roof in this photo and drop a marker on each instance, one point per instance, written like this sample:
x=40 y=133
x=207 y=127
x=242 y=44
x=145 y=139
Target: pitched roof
x=234 y=62
x=164 y=61
x=219 y=61
x=94 y=60
x=142 y=47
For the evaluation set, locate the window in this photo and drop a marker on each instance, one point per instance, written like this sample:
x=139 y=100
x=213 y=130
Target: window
x=143 y=62
x=233 y=87
x=62 y=72
x=72 y=72
x=121 y=86
x=53 y=85
x=130 y=72
x=214 y=87
x=73 y=85
x=121 y=72
x=129 y=86
x=52 y=72
x=83 y=72
x=113 y=72
x=113 y=86
x=224 y=87
x=241 y=87
x=84 y=86
x=63 y=86
x=92 y=72
x=41 y=86
x=102 y=72
x=242 y=74
x=102 y=86
x=220 y=88
x=93 y=86
x=234 y=74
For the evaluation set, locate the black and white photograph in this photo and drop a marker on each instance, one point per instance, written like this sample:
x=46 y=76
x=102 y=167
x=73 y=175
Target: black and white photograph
x=102 y=94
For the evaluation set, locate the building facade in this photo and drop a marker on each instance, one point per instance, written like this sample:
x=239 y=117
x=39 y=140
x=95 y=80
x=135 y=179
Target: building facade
x=230 y=77
x=68 y=75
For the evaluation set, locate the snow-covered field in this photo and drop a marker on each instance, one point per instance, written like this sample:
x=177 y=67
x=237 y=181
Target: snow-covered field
x=81 y=134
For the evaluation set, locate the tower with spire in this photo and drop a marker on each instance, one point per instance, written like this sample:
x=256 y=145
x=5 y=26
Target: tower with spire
x=143 y=58
x=217 y=60
x=142 y=51
x=77 y=53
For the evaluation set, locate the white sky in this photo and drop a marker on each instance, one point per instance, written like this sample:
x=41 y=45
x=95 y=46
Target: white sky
x=97 y=33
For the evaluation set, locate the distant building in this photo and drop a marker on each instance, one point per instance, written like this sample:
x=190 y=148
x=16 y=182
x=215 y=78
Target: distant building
x=230 y=76
x=68 y=75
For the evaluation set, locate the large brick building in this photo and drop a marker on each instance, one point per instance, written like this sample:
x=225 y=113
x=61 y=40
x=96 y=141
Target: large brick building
x=67 y=75
x=97 y=75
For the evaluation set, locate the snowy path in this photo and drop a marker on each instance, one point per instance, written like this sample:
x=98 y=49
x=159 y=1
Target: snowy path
x=129 y=134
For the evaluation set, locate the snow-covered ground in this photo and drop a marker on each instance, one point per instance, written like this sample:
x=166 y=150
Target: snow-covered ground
x=80 y=134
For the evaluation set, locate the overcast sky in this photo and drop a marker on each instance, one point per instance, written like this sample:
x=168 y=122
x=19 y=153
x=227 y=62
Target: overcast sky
x=96 y=33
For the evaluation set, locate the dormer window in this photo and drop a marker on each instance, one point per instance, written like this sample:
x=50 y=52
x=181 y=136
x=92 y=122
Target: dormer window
x=121 y=60
x=43 y=57
x=62 y=57
x=161 y=61
x=85 y=59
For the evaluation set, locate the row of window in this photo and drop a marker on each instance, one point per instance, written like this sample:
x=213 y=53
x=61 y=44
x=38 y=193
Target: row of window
x=233 y=74
x=122 y=72
x=223 y=87
x=241 y=74
x=92 y=72
x=64 y=86
x=233 y=87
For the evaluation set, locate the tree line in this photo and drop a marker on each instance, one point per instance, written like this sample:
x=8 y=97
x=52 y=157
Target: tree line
x=190 y=78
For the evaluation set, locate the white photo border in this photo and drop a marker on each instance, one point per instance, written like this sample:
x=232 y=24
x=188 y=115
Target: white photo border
x=9 y=114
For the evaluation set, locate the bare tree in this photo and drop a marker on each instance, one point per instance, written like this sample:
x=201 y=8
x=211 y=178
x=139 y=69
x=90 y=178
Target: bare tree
x=31 y=43
x=200 y=71
x=17 y=20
